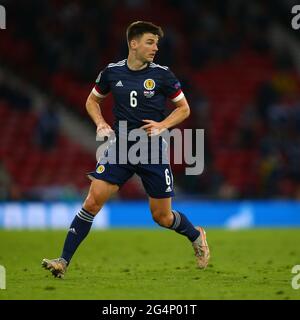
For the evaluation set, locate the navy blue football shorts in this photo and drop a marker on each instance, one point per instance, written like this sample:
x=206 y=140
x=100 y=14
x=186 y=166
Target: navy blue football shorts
x=156 y=177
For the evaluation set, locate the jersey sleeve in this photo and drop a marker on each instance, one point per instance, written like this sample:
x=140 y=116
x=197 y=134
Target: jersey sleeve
x=102 y=87
x=172 y=87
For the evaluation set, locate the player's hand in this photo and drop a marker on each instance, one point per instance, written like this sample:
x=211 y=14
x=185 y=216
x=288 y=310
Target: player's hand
x=153 y=128
x=104 y=129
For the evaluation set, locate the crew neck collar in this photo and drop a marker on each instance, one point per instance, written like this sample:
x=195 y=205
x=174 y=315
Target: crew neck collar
x=140 y=70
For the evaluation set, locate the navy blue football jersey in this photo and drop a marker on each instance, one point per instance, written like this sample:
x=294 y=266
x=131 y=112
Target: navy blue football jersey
x=140 y=94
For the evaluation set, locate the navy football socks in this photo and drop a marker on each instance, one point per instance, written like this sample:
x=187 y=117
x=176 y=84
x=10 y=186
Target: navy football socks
x=79 y=229
x=82 y=224
x=182 y=225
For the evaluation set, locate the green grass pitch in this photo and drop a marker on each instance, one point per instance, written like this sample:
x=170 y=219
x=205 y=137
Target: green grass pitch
x=153 y=264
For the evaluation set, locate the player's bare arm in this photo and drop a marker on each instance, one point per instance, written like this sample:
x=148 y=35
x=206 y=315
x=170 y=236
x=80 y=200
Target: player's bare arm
x=179 y=114
x=93 y=106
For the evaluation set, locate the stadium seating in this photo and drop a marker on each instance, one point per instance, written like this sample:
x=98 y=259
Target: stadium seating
x=243 y=75
x=229 y=84
x=28 y=164
x=229 y=88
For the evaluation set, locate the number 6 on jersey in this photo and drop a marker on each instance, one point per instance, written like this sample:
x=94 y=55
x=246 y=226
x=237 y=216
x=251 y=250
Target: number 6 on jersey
x=133 y=99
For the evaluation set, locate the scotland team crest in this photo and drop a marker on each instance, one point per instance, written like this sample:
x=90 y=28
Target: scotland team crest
x=100 y=169
x=149 y=84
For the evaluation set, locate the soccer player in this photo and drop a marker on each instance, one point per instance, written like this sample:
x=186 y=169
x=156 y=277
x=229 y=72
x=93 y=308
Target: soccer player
x=140 y=89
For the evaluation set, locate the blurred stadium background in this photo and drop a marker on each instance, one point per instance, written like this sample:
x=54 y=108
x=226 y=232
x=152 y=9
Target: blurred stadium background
x=238 y=62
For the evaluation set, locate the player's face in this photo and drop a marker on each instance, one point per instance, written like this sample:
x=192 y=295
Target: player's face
x=146 y=47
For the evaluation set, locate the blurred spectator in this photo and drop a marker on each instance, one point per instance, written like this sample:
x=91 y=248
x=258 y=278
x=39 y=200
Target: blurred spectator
x=5 y=183
x=227 y=192
x=297 y=192
x=133 y=189
x=48 y=127
x=19 y=100
x=266 y=95
x=270 y=172
x=250 y=128
x=8 y=189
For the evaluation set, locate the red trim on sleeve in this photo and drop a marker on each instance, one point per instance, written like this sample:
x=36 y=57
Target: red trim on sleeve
x=176 y=94
x=98 y=90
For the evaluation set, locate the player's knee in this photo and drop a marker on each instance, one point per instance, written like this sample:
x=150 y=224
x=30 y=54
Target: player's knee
x=162 y=218
x=92 y=205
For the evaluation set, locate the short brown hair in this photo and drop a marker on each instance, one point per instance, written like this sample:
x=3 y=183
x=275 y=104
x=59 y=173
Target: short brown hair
x=138 y=28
